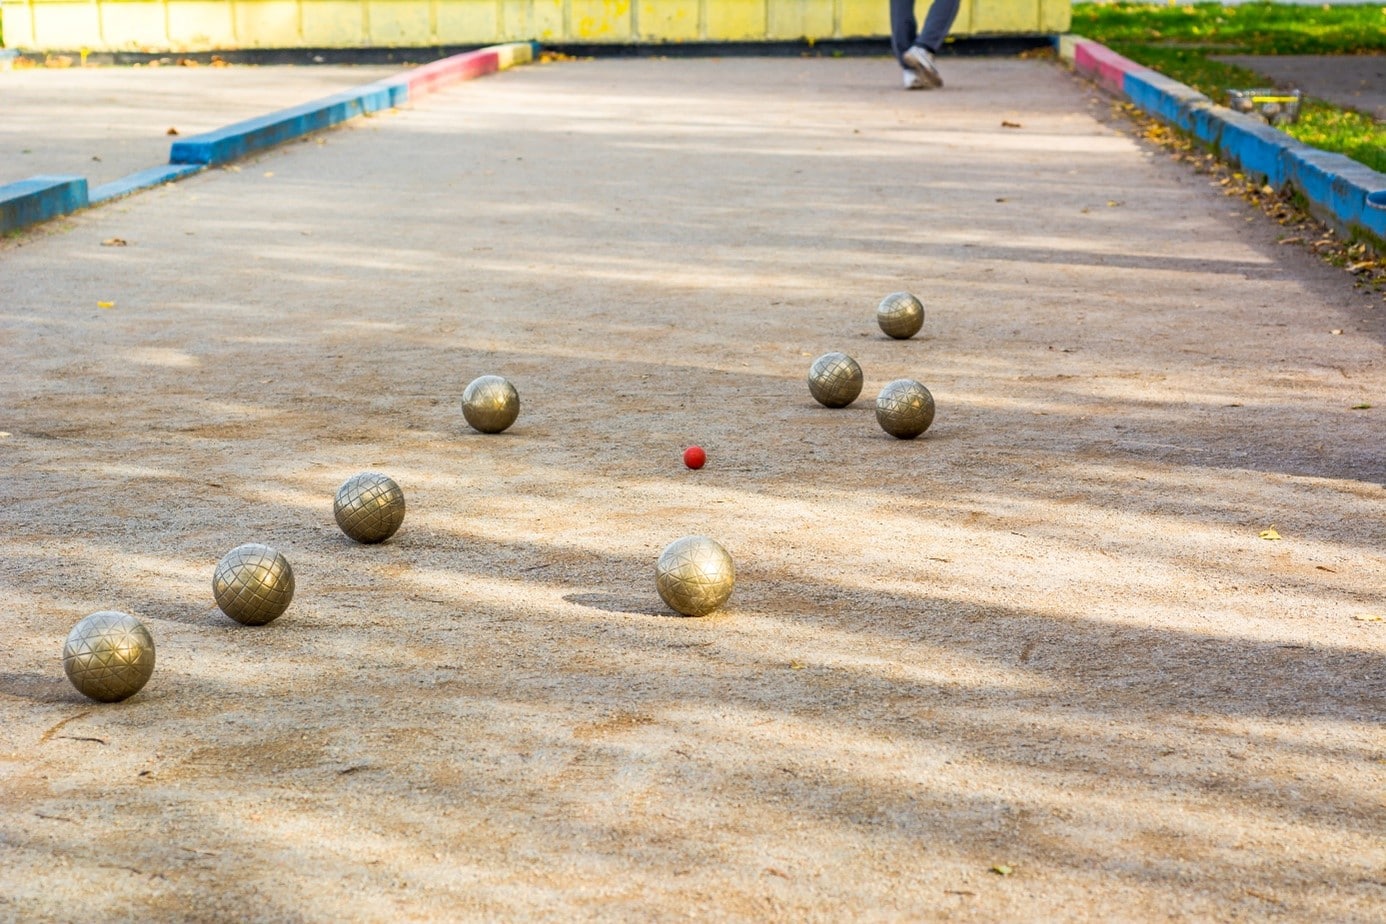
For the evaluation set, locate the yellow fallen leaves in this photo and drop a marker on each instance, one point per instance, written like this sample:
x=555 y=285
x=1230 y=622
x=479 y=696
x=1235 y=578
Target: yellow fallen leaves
x=105 y=304
x=1369 y=617
x=1269 y=534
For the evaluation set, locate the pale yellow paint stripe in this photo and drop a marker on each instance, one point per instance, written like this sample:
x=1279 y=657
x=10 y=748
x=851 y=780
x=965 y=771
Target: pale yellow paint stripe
x=209 y=25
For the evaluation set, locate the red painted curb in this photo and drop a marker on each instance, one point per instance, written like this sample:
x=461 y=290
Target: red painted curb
x=452 y=69
x=1104 y=65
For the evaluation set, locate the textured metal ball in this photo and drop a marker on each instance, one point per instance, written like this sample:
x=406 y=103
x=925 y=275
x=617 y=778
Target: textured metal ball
x=834 y=380
x=694 y=575
x=109 y=656
x=904 y=409
x=253 y=584
x=490 y=404
x=900 y=315
x=369 y=507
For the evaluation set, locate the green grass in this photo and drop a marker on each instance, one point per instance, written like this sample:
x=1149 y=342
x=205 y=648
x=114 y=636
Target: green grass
x=1178 y=40
x=1251 y=28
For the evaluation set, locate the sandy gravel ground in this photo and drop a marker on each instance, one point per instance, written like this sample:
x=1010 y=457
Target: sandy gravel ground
x=1043 y=638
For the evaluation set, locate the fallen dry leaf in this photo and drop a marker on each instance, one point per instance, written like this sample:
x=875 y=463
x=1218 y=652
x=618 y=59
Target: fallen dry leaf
x=171 y=131
x=1001 y=869
x=115 y=242
x=105 y=304
x=796 y=665
x=1269 y=534
x=1369 y=617
x=1008 y=124
x=1361 y=407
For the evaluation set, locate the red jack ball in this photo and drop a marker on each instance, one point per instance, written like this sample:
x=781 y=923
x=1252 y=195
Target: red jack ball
x=694 y=457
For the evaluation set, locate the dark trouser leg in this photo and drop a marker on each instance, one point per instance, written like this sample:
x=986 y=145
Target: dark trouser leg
x=903 y=25
x=936 y=24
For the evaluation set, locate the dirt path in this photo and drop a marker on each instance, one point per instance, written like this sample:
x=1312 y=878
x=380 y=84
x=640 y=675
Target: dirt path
x=1044 y=637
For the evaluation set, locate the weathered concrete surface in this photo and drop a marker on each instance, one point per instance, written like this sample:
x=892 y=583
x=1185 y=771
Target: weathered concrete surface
x=106 y=122
x=1046 y=636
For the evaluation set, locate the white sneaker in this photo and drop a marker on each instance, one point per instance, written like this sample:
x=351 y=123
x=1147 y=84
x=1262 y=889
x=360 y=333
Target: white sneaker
x=921 y=62
x=912 y=81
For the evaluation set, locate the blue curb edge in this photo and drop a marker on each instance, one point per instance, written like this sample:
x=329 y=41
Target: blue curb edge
x=143 y=179
x=1337 y=189
x=40 y=198
x=232 y=142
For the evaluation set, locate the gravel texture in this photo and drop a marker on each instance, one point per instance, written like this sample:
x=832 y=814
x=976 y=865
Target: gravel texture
x=1037 y=664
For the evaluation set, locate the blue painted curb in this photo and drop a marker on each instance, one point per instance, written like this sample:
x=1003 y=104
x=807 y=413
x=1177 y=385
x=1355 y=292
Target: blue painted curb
x=232 y=142
x=1337 y=189
x=143 y=179
x=40 y=198
x=1335 y=186
x=43 y=197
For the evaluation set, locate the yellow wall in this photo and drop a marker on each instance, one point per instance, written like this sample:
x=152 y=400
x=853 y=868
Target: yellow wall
x=202 y=25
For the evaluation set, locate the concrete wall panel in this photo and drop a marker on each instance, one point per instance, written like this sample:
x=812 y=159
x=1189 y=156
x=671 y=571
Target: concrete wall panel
x=208 y=25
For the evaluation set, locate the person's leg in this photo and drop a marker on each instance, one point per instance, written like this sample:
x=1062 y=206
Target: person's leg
x=903 y=25
x=918 y=57
x=936 y=24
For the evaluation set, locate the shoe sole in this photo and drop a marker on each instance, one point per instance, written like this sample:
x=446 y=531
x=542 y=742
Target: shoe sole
x=929 y=77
